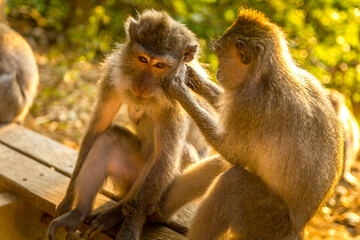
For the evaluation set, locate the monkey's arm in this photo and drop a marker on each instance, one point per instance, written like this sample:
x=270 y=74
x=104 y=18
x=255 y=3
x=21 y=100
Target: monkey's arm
x=170 y=135
x=208 y=125
x=107 y=106
x=203 y=86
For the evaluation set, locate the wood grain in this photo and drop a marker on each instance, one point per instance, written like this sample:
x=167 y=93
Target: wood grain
x=39 y=147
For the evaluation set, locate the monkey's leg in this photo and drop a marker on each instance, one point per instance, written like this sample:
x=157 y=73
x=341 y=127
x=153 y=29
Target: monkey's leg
x=192 y=184
x=12 y=99
x=107 y=106
x=170 y=135
x=189 y=156
x=240 y=204
x=115 y=152
x=124 y=167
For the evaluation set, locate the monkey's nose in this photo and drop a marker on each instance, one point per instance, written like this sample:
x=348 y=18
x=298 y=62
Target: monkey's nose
x=141 y=93
x=139 y=90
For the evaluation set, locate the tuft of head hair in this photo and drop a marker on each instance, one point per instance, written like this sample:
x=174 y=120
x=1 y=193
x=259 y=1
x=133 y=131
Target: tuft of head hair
x=251 y=16
x=252 y=24
x=264 y=38
x=158 y=33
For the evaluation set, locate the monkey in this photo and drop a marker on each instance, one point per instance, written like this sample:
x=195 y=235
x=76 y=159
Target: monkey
x=351 y=132
x=19 y=77
x=144 y=163
x=275 y=127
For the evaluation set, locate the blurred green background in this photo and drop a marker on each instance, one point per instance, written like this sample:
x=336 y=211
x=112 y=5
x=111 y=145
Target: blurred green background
x=323 y=35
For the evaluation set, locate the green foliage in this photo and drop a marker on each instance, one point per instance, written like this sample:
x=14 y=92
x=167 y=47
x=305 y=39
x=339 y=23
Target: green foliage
x=324 y=35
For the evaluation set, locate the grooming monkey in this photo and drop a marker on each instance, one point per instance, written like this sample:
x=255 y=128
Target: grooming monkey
x=351 y=132
x=19 y=77
x=277 y=129
x=142 y=165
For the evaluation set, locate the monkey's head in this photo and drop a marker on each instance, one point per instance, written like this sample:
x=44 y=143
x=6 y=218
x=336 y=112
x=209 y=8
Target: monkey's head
x=157 y=49
x=248 y=47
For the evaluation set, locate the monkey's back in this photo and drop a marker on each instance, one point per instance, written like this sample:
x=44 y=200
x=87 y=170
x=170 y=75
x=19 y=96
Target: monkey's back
x=297 y=148
x=19 y=76
x=313 y=148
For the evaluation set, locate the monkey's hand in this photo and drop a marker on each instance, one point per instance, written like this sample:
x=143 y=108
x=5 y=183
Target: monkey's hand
x=104 y=220
x=70 y=221
x=192 y=79
x=175 y=87
x=64 y=207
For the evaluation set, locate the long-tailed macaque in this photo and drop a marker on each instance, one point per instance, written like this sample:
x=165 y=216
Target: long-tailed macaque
x=277 y=129
x=19 y=77
x=351 y=132
x=142 y=165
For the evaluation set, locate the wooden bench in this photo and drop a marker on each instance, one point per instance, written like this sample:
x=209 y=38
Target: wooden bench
x=37 y=170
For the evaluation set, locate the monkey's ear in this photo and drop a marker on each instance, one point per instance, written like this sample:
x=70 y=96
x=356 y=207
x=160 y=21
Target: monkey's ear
x=243 y=51
x=190 y=53
x=130 y=27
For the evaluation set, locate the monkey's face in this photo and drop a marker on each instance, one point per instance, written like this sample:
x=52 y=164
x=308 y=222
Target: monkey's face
x=150 y=72
x=231 y=67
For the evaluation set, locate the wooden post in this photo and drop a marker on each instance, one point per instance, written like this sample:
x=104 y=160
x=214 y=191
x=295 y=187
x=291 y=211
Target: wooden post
x=2 y=11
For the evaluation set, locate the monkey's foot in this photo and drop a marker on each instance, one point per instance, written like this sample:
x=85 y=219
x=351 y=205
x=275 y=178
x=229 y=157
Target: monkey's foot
x=156 y=216
x=70 y=221
x=131 y=229
x=129 y=208
x=151 y=208
x=128 y=235
x=104 y=220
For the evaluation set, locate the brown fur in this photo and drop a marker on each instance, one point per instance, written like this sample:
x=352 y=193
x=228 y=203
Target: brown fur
x=142 y=164
x=277 y=128
x=19 y=77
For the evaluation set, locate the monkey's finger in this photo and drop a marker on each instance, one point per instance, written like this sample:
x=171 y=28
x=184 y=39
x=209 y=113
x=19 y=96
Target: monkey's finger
x=129 y=208
x=52 y=231
x=92 y=230
x=91 y=218
x=71 y=235
x=50 y=235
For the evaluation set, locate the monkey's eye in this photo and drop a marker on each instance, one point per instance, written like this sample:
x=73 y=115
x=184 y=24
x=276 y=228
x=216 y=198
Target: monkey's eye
x=160 y=65
x=143 y=59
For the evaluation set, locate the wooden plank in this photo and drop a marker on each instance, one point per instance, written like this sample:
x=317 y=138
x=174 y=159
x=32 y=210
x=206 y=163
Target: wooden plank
x=44 y=188
x=39 y=147
x=19 y=219
x=63 y=159
x=37 y=183
x=7 y=198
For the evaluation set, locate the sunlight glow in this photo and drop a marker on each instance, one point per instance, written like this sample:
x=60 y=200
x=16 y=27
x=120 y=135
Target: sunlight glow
x=357 y=12
x=335 y=16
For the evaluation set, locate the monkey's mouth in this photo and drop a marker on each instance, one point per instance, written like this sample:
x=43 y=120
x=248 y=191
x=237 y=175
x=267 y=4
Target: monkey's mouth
x=142 y=99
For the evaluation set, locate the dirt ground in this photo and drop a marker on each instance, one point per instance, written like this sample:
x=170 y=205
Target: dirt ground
x=62 y=110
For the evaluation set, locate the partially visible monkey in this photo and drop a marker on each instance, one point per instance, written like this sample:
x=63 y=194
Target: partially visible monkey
x=144 y=164
x=19 y=77
x=351 y=132
x=276 y=127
